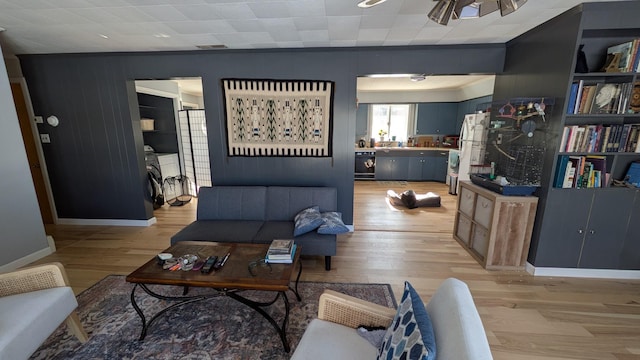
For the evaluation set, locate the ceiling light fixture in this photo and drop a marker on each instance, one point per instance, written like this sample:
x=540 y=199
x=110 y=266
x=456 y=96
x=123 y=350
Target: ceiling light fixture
x=471 y=9
x=2 y=29
x=416 y=78
x=369 y=3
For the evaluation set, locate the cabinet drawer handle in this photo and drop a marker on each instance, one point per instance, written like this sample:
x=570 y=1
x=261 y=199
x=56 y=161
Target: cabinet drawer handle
x=580 y=231
x=592 y=231
x=484 y=204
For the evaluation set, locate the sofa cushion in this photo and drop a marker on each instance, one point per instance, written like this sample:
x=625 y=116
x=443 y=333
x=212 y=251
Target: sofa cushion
x=27 y=320
x=274 y=230
x=332 y=223
x=307 y=220
x=241 y=231
x=232 y=203
x=326 y=340
x=410 y=335
x=284 y=202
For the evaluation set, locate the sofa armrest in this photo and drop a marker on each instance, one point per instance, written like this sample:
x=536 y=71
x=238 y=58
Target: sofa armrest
x=33 y=278
x=353 y=312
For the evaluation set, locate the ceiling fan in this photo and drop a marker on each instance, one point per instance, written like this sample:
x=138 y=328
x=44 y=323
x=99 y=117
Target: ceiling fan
x=461 y=9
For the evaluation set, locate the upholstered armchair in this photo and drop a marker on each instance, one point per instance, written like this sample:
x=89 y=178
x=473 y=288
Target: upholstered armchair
x=452 y=330
x=34 y=301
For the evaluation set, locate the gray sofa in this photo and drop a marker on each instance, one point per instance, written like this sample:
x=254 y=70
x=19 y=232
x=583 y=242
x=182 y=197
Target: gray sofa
x=259 y=214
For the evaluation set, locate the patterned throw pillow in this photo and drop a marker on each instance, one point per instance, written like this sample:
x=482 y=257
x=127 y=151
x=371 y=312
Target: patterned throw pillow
x=332 y=223
x=410 y=335
x=307 y=220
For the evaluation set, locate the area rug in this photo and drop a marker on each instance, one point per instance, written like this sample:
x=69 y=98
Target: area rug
x=217 y=328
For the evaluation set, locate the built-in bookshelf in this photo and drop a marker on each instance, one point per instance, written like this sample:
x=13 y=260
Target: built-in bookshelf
x=601 y=133
x=586 y=221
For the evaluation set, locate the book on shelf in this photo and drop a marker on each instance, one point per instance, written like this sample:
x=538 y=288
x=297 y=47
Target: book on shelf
x=281 y=258
x=626 y=54
x=605 y=99
x=581 y=172
x=600 y=138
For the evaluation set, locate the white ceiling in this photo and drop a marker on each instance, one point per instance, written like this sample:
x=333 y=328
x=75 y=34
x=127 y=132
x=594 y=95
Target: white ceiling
x=77 y=26
x=439 y=82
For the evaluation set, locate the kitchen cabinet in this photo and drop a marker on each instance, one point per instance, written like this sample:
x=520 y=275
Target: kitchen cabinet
x=495 y=229
x=584 y=231
x=437 y=118
x=412 y=165
x=392 y=167
x=428 y=165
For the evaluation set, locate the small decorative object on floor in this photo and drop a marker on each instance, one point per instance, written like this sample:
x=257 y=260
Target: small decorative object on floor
x=177 y=190
x=412 y=200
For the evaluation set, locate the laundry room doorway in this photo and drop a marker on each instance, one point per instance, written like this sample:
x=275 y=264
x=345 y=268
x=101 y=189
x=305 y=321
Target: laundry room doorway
x=174 y=133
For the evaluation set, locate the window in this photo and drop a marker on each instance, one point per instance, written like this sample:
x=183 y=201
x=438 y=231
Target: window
x=391 y=120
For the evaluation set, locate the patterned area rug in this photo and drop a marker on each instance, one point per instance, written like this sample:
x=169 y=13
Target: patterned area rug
x=217 y=328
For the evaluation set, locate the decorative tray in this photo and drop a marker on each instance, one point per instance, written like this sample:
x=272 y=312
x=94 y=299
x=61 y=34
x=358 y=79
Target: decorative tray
x=484 y=181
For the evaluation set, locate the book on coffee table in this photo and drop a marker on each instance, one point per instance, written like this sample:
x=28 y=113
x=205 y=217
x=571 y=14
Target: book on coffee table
x=280 y=246
x=281 y=258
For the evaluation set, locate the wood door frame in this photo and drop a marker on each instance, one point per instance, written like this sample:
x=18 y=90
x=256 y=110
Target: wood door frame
x=38 y=145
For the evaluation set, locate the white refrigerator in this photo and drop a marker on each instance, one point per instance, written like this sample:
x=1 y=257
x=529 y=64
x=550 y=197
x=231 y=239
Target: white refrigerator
x=472 y=145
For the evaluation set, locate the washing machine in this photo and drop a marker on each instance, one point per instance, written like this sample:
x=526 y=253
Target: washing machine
x=154 y=177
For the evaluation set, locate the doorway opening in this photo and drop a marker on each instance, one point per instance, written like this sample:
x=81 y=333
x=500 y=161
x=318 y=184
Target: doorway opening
x=174 y=133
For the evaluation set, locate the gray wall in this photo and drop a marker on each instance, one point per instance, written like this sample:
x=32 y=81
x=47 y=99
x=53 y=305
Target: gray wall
x=20 y=221
x=96 y=161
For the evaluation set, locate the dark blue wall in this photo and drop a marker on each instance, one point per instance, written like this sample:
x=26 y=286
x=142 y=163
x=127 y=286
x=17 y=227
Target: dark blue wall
x=96 y=161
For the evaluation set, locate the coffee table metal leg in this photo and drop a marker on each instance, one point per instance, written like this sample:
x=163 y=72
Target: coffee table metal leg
x=295 y=290
x=180 y=301
x=257 y=306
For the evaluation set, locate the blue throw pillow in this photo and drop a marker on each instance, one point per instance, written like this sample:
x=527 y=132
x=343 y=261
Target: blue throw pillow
x=332 y=223
x=410 y=335
x=307 y=220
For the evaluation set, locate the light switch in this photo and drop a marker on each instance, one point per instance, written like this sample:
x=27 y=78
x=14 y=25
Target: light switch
x=38 y=120
x=45 y=138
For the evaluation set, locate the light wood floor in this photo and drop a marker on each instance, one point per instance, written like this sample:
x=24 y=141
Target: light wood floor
x=526 y=318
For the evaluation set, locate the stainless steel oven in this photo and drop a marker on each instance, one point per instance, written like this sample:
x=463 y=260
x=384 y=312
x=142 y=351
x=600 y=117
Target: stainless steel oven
x=365 y=165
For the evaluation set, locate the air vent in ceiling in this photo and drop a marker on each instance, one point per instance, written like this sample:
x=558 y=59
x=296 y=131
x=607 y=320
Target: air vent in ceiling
x=211 y=47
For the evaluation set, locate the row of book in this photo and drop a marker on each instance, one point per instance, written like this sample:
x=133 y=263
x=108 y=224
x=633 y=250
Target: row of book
x=601 y=138
x=581 y=172
x=281 y=251
x=629 y=56
x=601 y=98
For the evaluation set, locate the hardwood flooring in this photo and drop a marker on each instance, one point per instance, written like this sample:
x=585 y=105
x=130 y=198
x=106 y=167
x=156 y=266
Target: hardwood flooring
x=525 y=317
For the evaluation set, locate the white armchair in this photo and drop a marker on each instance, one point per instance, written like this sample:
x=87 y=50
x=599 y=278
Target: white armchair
x=34 y=301
x=457 y=326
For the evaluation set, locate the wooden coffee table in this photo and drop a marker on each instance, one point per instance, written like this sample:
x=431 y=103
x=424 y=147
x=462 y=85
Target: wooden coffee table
x=242 y=271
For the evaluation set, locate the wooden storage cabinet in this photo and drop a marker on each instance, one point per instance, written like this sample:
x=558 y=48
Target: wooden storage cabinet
x=495 y=229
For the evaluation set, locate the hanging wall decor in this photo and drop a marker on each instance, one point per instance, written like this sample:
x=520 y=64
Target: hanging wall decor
x=278 y=117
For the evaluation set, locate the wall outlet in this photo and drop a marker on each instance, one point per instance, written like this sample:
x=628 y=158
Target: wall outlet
x=499 y=139
x=45 y=138
x=38 y=119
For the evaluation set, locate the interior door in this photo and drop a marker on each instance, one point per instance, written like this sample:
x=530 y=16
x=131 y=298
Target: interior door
x=32 y=153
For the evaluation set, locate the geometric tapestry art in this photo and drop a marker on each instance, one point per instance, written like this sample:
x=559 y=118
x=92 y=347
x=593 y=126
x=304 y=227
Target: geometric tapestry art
x=278 y=117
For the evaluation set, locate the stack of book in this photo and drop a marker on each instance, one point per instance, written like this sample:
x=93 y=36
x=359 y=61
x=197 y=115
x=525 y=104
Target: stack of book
x=629 y=56
x=281 y=252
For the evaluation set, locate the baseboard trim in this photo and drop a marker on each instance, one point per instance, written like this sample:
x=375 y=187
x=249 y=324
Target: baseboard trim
x=108 y=222
x=25 y=260
x=583 y=273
